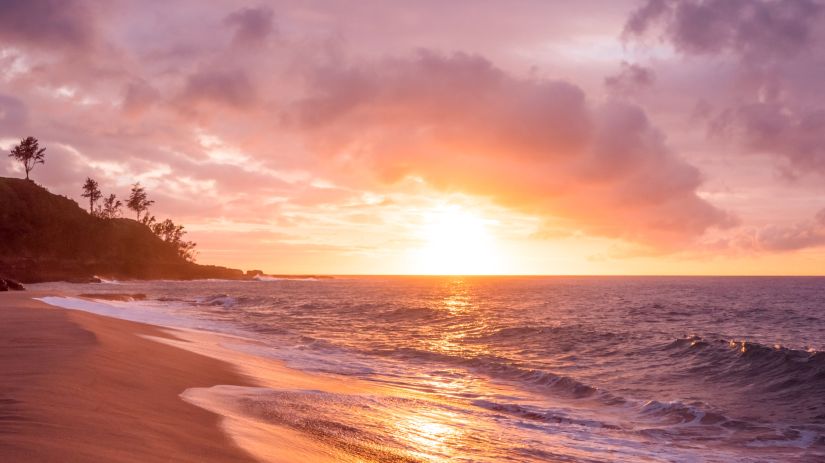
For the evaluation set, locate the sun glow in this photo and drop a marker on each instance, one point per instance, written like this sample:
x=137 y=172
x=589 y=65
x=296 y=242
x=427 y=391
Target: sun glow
x=456 y=242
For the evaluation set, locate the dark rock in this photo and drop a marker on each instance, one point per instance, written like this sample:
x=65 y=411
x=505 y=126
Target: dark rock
x=10 y=285
x=254 y=273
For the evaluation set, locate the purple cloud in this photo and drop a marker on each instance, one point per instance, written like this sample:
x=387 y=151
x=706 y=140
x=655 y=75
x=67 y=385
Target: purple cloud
x=48 y=24
x=13 y=115
x=252 y=25
x=632 y=77
x=752 y=28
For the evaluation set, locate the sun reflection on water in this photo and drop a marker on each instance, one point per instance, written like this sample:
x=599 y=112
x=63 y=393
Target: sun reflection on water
x=459 y=301
x=433 y=433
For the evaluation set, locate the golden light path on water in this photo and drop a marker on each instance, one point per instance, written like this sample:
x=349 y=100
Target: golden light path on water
x=436 y=433
x=432 y=434
x=458 y=302
x=353 y=421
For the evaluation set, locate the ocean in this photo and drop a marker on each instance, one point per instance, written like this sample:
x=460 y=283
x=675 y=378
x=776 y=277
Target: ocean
x=523 y=369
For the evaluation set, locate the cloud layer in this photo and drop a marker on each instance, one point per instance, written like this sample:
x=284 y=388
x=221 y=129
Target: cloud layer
x=777 y=46
x=462 y=124
x=283 y=119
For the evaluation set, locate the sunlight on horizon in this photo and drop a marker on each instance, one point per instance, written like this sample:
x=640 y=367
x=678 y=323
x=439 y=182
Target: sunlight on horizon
x=456 y=242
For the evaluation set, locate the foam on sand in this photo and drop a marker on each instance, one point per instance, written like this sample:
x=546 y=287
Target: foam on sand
x=124 y=310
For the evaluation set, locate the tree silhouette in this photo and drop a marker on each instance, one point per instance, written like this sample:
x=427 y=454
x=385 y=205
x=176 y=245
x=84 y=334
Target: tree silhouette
x=91 y=191
x=173 y=234
x=138 y=200
x=29 y=153
x=111 y=207
x=148 y=220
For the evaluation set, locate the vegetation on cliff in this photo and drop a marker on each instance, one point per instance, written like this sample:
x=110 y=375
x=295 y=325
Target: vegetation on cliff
x=46 y=237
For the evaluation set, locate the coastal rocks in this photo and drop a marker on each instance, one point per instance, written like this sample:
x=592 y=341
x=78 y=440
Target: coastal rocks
x=254 y=273
x=7 y=284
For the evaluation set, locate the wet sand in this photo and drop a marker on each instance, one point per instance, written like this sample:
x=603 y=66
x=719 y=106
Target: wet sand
x=77 y=387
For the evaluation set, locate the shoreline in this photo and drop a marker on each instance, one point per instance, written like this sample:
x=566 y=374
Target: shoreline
x=86 y=387
x=78 y=387
x=106 y=377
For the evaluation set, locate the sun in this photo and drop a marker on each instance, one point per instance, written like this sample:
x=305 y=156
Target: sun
x=456 y=242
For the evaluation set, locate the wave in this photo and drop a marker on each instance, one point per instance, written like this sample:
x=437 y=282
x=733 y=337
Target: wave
x=660 y=414
x=501 y=368
x=679 y=413
x=555 y=339
x=272 y=278
x=792 y=377
x=539 y=414
x=662 y=419
x=777 y=367
x=694 y=421
x=531 y=332
x=651 y=416
x=217 y=300
x=227 y=301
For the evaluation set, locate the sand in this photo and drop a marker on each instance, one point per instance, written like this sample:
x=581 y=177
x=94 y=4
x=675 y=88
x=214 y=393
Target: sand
x=77 y=387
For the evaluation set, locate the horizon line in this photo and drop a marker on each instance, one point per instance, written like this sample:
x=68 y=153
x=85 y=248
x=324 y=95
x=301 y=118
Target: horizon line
x=309 y=275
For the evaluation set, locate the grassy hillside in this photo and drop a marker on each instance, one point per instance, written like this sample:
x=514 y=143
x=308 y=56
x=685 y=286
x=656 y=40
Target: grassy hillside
x=47 y=237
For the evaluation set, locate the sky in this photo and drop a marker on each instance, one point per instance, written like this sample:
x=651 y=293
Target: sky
x=409 y=137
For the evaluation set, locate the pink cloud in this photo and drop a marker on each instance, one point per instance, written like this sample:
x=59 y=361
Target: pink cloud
x=775 y=238
x=462 y=124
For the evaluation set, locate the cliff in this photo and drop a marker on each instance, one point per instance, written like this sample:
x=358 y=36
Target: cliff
x=46 y=237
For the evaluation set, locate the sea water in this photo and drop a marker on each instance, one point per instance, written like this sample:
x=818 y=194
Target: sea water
x=523 y=369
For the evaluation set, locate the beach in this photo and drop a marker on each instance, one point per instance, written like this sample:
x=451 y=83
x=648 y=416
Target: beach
x=83 y=387
x=408 y=369
x=77 y=387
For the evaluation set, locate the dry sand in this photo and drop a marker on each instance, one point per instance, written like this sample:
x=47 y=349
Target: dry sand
x=76 y=387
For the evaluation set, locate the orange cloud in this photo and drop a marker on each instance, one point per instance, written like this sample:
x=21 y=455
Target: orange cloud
x=537 y=145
